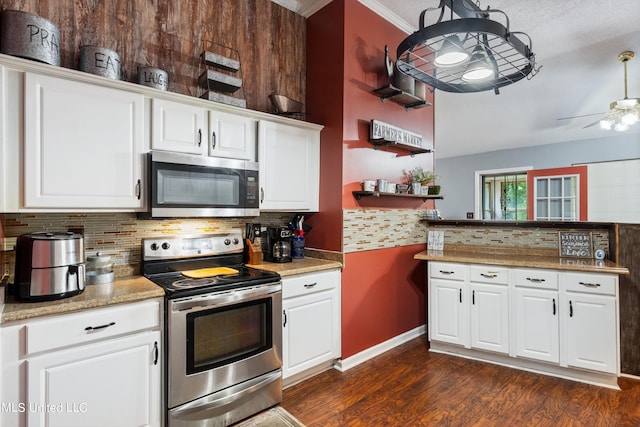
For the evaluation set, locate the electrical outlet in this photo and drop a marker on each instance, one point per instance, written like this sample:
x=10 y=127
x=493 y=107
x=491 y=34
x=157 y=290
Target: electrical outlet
x=469 y=215
x=257 y=230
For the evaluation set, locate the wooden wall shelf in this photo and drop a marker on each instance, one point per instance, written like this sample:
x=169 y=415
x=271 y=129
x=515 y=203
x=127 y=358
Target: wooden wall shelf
x=359 y=194
x=407 y=100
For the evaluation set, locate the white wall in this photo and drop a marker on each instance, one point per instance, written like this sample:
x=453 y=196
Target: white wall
x=457 y=174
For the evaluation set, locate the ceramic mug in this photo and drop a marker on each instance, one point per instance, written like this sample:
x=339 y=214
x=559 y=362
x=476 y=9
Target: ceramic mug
x=368 y=185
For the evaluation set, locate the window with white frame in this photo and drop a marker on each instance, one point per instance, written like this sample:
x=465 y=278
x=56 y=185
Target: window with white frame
x=557 y=198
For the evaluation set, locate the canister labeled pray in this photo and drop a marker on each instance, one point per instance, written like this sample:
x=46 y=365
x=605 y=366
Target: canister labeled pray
x=29 y=36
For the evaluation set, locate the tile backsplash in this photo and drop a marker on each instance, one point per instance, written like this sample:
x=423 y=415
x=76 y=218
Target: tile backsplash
x=119 y=234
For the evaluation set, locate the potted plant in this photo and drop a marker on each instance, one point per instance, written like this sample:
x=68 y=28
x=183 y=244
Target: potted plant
x=424 y=178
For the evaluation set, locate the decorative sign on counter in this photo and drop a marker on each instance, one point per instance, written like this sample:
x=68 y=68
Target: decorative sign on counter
x=435 y=240
x=577 y=244
x=387 y=132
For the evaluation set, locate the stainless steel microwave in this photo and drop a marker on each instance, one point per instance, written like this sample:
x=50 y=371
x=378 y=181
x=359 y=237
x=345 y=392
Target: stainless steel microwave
x=186 y=185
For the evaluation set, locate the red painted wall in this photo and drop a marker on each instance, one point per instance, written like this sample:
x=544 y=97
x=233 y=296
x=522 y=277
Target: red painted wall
x=383 y=295
x=383 y=291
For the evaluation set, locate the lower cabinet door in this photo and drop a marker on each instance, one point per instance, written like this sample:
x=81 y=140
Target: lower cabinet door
x=490 y=317
x=537 y=325
x=310 y=333
x=112 y=383
x=449 y=308
x=591 y=332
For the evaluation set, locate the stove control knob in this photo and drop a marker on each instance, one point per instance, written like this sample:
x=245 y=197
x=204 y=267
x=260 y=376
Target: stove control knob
x=227 y=242
x=154 y=246
x=236 y=241
x=165 y=246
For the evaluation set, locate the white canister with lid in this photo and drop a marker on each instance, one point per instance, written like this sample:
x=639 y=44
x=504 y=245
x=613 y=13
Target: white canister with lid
x=99 y=269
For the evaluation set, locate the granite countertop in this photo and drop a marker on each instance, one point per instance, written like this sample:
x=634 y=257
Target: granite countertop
x=299 y=266
x=521 y=260
x=122 y=290
x=134 y=288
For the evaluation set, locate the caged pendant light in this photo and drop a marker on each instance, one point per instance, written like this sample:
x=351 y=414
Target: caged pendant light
x=467 y=53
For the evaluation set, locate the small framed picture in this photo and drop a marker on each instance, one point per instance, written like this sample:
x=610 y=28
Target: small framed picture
x=575 y=244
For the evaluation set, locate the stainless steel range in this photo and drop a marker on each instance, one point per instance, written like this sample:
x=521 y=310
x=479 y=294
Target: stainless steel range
x=223 y=329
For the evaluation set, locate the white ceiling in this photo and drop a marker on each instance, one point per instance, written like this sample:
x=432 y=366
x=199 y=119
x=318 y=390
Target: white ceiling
x=575 y=41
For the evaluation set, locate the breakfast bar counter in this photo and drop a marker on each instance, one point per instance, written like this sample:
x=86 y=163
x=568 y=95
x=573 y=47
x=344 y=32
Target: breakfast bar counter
x=515 y=259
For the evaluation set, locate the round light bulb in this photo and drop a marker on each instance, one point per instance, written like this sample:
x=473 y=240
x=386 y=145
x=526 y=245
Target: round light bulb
x=606 y=124
x=620 y=127
x=629 y=119
x=451 y=58
x=478 y=73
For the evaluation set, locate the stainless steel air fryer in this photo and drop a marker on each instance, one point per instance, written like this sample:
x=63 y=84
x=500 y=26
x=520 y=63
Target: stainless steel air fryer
x=49 y=266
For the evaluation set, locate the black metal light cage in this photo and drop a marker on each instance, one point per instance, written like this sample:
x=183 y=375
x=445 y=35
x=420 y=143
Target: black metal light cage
x=511 y=59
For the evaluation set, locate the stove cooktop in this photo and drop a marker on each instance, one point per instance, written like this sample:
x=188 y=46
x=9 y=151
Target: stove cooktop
x=175 y=283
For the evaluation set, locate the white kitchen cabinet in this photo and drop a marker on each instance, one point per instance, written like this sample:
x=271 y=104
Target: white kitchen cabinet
x=489 y=317
x=178 y=127
x=590 y=317
x=554 y=321
x=449 y=309
x=311 y=321
x=289 y=158
x=232 y=135
x=83 y=145
x=537 y=313
x=467 y=313
x=99 y=367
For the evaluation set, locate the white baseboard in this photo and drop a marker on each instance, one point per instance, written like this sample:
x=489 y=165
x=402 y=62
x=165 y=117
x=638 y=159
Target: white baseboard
x=348 y=363
x=633 y=377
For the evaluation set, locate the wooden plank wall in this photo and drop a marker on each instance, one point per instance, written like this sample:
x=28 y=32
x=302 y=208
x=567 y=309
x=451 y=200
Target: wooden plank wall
x=629 y=241
x=169 y=34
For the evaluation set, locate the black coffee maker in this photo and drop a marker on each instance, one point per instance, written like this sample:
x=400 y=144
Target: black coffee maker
x=279 y=244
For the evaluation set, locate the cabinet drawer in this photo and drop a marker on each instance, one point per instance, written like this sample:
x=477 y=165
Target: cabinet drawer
x=489 y=274
x=309 y=283
x=540 y=279
x=91 y=325
x=604 y=284
x=443 y=270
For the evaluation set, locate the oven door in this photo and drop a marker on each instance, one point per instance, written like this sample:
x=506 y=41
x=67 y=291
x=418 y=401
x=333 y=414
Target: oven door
x=218 y=340
x=184 y=185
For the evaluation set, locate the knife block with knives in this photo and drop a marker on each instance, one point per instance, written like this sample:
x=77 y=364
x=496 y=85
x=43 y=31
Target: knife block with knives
x=253 y=251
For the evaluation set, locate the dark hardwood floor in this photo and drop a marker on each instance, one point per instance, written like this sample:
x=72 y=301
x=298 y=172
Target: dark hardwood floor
x=409 y=386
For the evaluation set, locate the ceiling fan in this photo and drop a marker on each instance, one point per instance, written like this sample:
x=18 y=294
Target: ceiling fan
x=624 y=112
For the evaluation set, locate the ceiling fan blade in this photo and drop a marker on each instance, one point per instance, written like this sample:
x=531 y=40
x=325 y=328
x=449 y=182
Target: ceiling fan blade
x=577 y=117
x=592 y=124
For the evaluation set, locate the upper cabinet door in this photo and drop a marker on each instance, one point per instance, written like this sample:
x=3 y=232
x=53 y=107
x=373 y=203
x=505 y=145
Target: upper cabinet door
x=178 y=127
x=232 y=136
x=289 y=160
x=83 y=145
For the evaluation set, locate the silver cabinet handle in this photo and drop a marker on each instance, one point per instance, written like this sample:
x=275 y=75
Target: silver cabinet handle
x=310 y=285
x=590 y=285
x=534 y=280
x=213 y=140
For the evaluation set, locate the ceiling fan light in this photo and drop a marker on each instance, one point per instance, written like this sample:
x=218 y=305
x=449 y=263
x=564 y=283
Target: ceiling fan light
x=451 y=53
x=606 y=124
x=629 y=119
x=620 y=127
x=627 y=103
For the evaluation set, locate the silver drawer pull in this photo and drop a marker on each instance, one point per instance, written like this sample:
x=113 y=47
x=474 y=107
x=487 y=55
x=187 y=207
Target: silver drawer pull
x=489 y=276
x=310 y=285
x=534 y=280
x=590 y=285
x=446 y=272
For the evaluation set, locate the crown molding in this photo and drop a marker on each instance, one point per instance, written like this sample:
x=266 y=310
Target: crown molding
x=389 y=16
x=313 y=7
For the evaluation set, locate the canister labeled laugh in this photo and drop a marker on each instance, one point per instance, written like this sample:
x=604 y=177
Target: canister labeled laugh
x=29 y=36
x=153 y=77
x=100 y=61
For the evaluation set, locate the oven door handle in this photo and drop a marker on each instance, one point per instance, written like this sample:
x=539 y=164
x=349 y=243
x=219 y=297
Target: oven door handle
x=221 y=299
